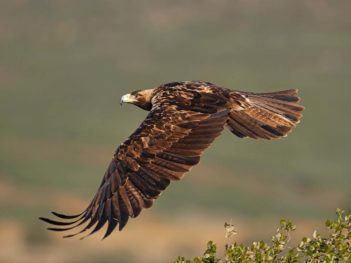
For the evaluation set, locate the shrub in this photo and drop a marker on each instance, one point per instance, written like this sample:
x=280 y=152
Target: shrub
x=335 y=247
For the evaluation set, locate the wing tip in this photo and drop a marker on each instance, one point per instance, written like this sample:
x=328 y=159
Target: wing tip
x=63 y=216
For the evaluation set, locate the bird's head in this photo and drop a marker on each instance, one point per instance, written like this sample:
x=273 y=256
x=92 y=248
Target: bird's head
x=140 y=98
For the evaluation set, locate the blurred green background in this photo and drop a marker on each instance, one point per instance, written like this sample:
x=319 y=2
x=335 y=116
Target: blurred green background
x=64 y=66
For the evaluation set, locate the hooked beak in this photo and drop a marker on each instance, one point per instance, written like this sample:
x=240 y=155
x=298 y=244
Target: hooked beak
x=128 y=98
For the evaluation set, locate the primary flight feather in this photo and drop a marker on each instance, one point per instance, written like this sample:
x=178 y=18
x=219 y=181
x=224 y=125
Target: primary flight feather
x=184 y=119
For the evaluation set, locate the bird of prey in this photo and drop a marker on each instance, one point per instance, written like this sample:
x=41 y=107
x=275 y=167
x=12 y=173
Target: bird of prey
x=184 y=119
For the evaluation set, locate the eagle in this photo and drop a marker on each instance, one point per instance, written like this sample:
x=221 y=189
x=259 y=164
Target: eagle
x=184 y=119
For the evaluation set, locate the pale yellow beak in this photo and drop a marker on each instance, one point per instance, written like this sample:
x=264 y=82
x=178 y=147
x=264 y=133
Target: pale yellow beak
x=128 y=98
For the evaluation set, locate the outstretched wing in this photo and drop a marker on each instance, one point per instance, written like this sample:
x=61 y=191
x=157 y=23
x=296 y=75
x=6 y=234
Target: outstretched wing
x=165 y=146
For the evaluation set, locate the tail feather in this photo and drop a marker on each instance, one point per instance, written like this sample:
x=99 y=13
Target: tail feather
x=264 y=115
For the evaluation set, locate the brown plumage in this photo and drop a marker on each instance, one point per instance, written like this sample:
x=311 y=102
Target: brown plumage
x=184 y=119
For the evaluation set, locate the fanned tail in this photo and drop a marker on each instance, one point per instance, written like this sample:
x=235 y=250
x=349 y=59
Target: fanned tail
x=264 y=115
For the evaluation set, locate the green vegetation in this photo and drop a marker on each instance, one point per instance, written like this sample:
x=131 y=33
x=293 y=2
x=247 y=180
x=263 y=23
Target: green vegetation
x=335 y=247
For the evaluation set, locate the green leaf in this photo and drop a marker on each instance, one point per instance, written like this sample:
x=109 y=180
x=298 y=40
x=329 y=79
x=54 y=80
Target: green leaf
x=335 y=247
